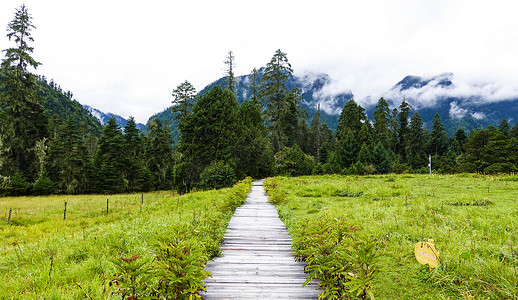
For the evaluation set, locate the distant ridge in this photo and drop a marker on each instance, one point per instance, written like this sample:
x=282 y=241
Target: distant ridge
x=104 y=117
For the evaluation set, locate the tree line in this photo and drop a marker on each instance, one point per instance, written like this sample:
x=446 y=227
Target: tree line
x=221 y=141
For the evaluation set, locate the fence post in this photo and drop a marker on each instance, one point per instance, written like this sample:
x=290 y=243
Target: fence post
x=142 y=202
x=107 y=206
x=9 y=219
x=65 y=212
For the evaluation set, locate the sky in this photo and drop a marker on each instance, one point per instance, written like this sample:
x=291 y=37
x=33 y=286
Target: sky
x=126 y=57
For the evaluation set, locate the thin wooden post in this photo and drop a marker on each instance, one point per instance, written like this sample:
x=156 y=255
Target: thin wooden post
x=9 y=218
x=65 y=212
x=107 y=206
x=430 y=163
x=142 y=202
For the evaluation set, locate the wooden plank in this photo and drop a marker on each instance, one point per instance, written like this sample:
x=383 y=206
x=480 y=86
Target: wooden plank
x=257 y=261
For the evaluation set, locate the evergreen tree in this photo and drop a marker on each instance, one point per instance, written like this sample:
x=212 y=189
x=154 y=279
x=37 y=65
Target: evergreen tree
x=504 y=128
x=393 y=132
x=109 y=162
x=69 y=163
x=472 y=160
x=253 y=86
x=461 y=137
x=184 y=99
x=316 y=134
x=132 y=140
x=159 y=154
x=23 y=120
x=136 y=174
x=347 y=151
x=206 y=135
x=382 y=122
x=231 y=79
x=352 y=118
x=417 y=156
x=253 y=151
x=364 y=155
x=514 y=131
x=403 y=131
x=381 y=158
x=294 y=126
x=273 y=93
x=438 y=138
x=497 y=154
x=365 y=135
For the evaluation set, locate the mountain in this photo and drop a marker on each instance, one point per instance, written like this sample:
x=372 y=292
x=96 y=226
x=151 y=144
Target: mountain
x=459 y=104
x=58 y=103
x=104 y=117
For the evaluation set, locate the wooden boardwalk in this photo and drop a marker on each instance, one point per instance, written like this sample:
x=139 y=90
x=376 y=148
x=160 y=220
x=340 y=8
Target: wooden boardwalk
x=257 y=261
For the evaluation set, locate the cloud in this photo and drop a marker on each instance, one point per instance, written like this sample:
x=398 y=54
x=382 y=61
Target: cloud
x=429 y=91
x=478 y=115
x=457 y=112
x=328 y=93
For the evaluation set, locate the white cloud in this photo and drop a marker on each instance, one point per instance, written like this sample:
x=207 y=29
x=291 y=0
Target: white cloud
x=478 y=115
x=457 y=112
x=433 y=92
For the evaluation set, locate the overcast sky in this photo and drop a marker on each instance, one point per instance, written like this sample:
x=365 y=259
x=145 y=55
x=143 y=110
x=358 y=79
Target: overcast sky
x=126 y=57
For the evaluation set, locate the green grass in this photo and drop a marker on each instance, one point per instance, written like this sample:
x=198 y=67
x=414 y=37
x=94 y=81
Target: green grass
x=472 y=219
x=43 y=256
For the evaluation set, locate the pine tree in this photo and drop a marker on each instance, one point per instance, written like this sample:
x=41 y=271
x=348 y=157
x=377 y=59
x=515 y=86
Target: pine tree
x=403 y=131
x=417 y=157
x=393 y=131
x=504 y=128
x=461 y=137
x=438 y=138
x=231 y=79
x=23 y=120
x=132 y=140
x=352 y=118
x=316 y=134
x=207 y=135
x=294 y=126
x=273 y=93
x=253 y=86
x=365 y=135
x=136 y=173
x=381 y=158
x=347 y=151
x=69 y=162
x=184 y=99
x=109 y=162
x=253 y=151
x=514 y=131
x=159 y=154
x=364 y=155
x=382 y=122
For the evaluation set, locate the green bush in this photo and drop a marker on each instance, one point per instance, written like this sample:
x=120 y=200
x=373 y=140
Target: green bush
x=293 y=162
x=17 y=185
x=43 y=185
x=217 y=175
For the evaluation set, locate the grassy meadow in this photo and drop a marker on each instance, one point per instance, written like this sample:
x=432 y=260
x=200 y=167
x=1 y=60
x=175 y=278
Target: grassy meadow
x=358 y=233
x=43 y=256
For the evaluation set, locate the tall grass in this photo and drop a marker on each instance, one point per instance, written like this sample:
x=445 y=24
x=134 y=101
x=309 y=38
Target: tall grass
x=43 y=256
x=473 y=220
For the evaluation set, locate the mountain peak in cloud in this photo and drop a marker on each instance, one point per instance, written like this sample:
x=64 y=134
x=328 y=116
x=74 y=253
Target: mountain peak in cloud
x=443 y=80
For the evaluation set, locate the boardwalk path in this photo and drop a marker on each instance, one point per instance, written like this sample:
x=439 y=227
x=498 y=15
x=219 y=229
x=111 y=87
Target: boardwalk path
x=257 y=261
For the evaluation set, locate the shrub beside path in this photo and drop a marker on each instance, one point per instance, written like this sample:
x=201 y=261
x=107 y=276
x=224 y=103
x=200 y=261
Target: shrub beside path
x=257 y=261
